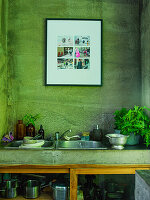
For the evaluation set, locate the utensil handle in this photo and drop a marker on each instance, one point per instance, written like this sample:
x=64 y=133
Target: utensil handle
x=108 y=136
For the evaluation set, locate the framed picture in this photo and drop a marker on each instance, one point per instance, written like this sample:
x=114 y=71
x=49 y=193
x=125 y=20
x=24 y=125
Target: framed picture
x=73 y=52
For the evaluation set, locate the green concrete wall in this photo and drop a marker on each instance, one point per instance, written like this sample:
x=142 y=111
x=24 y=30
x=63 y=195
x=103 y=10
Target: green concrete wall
x=145 y=52
x=3 y=67
x=75 y=107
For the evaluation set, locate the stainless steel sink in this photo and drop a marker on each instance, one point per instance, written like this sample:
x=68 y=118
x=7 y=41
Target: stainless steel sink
x=17 y=144
x=79 y=144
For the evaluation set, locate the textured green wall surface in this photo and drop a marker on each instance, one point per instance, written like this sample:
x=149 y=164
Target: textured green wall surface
x=145 y=52
x=3 y=67
x=75 y=107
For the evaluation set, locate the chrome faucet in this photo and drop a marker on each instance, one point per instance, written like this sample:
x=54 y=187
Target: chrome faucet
x=57 y=137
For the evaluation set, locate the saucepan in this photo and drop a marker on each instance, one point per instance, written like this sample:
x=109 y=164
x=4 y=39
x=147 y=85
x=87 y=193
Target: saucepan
x=9 y=189
x=31 y=189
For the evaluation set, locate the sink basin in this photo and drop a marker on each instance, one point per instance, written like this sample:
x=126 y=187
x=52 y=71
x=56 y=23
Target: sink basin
x=79 y=144
x=17 y=144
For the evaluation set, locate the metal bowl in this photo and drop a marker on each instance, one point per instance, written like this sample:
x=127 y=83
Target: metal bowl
x=117 y=140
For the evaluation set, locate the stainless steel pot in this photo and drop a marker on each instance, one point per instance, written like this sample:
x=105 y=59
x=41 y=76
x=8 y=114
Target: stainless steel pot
x=9 y=189
x=117 y=140
x=31 y=189
x=60 y=191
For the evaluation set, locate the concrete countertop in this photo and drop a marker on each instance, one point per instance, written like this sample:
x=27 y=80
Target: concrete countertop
x=129 y=155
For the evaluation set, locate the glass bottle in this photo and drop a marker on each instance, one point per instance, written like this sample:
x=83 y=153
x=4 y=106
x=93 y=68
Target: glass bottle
x=20 y=130
x=41 y=132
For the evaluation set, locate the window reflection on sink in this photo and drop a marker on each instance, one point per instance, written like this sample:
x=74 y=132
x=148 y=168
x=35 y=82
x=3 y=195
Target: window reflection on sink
x=18 y=143
x=79 y=144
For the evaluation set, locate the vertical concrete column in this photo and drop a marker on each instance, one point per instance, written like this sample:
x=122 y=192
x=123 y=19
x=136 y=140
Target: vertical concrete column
x=142 y=188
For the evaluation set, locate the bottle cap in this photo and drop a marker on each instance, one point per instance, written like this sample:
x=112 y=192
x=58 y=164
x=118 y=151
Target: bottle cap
x=85 y=134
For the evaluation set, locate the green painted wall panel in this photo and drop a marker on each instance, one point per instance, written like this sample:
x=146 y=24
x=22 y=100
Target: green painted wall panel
x=145 y=52
x=63 y=107
x=3 y=68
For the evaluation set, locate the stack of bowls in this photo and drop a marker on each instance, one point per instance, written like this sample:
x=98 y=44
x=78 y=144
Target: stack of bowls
x=28 y=142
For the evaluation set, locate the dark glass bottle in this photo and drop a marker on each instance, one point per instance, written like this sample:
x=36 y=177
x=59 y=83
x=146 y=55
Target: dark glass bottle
x=30 y=130
x=41 y=132
x=96 y=134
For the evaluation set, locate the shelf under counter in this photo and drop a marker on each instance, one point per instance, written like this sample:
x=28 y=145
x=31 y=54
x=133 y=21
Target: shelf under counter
x=43 y=196
x=74 y=170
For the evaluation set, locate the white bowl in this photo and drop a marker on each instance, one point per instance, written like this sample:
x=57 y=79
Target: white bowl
x=38 y=143
x=28 y=140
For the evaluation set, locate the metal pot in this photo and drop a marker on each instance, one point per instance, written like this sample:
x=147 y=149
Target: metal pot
x=31 y=189
x=9 y=189
x=111 y=187
x=117 y=140
x=60 y=191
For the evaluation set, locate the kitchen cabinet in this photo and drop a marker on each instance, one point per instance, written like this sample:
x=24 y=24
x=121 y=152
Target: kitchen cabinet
x=74 y=170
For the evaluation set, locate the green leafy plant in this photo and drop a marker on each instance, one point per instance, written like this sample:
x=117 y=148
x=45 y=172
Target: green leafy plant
x=136 y=121
x=118 y=116
x=30 y=119
x=146 y=135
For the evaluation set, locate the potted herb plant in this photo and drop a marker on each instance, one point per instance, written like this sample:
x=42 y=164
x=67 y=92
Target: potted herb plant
x=29 y=121
x=136 y=124
x=118 y=116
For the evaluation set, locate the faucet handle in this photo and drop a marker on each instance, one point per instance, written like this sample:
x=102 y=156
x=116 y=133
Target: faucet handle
x=57 y=136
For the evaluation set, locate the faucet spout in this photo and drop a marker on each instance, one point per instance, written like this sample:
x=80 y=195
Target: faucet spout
x=62 y=136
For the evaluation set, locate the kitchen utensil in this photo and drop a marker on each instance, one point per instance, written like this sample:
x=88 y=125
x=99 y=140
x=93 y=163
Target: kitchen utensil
x=28 y=140
x=31 y=189
x=37 y=143
x=9 y=193
x=74 y=136
x=111 y=187
x=117 y=140
x=9 y=189
x=60 y=191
